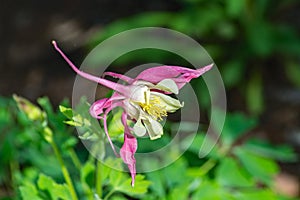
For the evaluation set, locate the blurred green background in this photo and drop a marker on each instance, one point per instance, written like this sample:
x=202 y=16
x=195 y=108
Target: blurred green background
x=255 y=44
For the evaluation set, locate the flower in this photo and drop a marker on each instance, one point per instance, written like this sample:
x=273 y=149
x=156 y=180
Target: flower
x=145 y=101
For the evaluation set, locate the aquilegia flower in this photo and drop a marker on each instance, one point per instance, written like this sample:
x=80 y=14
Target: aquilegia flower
x=145 y=101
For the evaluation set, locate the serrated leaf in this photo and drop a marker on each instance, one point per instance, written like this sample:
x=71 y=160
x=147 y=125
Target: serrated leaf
x=229 y=173
x=57 y=191
x=262 y=168
x=29 y=192
x=140 y=187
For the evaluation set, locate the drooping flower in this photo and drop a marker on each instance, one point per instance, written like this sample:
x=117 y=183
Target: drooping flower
x=145 y=101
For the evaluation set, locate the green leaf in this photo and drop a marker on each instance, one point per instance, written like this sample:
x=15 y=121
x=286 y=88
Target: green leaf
x=171 y=174
x=115 y=126
x=179 y=192
x=235 y=126
x=256 y=194
x=68 y=112
x=140 y=187
x=262 y=168
x=229 y=173
x=57 y=191
x=45 y=103
x=87 y=174
x=157 y=180
x=208 y=190
x=29 y=192
x=281 y=152
x=116 y=175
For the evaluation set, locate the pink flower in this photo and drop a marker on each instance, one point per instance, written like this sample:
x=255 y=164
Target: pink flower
x=144 y=100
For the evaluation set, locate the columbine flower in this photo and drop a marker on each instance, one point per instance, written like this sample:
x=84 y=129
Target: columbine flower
x=144 y=100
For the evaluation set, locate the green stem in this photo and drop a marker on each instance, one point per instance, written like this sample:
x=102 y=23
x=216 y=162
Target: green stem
x=75 y=159
x=109 y=194
x=64 y=171
x=99 y=178
x=207 y=166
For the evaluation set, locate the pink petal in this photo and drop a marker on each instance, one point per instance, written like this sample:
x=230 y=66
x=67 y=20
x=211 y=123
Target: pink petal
x=127 y=154
x=180 y=75
x=128 y=149
x=97 y=108
x=119 y=76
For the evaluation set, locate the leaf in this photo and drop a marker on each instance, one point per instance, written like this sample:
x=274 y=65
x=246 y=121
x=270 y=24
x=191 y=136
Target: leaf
x=115 y=126
x=281 y=152
x=45 y=103
x=73 y=123
x=68 y=112
x=157 y=180
x=235 y=126
x=229 y=173
x=262 y=168
x=256 y=194
x=87 y=178
x=116 y=175
x=171 y=174
x=179 y=192
x=29 y=192
x=140 y=187
x=207 y=190
x=57 y=191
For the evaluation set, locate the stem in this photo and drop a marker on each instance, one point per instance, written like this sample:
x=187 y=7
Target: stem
x=99 y=178
x=109 y=194
x=64 y=171
x=207 y=166
x=75 y=159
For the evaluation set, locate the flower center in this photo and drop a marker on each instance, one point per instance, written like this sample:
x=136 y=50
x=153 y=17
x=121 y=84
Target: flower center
x=153 y=107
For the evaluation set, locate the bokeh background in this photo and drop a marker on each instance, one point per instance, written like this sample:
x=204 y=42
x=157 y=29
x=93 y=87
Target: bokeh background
x=255 y=44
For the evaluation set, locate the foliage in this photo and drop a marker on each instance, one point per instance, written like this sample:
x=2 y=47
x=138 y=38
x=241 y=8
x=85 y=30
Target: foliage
x=237 y=168
x=248 y=39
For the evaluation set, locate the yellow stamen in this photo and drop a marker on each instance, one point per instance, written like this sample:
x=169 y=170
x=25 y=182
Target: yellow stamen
x=153 y=107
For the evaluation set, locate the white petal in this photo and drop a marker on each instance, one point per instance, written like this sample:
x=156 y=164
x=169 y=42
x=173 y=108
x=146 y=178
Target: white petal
x=139 y=129
x=169 y=103
x=154 y=128
x=167 y=85
x=132 y=110
x=138 y=93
